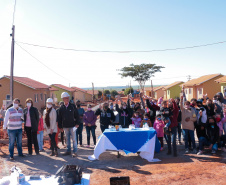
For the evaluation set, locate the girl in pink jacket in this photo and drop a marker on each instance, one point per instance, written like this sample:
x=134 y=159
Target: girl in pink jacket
x=159 y=126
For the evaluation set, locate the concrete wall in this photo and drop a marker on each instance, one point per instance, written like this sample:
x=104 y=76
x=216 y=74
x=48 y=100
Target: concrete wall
x=23 y=92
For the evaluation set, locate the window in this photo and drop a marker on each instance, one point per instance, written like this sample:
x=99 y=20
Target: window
x=41 y=97
x=45 y=97
x=164 y=93
x=168 y=92
x=52 y=96
x=190 y=90
x=7 y=97
x=186 y=91
x=36 y=97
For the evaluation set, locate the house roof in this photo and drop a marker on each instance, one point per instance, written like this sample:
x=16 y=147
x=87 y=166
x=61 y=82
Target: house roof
x=200 y=80
x=79 y=89
x=29 y=82
x=91 y=91
x=173 y=84
x=154 y=88
x=64 y=87
x=53 y=89
x=221 y=80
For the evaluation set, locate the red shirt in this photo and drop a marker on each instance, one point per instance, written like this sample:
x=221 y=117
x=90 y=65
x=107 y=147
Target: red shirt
x=40 y=124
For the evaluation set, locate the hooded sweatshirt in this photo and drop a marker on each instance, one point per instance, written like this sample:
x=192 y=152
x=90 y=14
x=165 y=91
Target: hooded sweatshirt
x=188 y=113
x=220 y=104
x=158 y=126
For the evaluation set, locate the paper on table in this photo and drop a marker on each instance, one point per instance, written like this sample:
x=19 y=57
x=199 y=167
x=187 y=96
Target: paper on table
x=74 y=129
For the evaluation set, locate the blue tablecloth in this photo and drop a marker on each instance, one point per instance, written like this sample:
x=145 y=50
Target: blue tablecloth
x=130 y=141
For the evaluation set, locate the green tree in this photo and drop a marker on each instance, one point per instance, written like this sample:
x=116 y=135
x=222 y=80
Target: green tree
x=106 y=92
x=128 y=91
x=140 y=73
x=123 y=89
x=114 y=93
x=99 y=93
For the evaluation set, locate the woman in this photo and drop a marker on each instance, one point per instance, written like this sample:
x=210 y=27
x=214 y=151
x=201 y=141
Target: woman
x=89 y=119
x=187 y=121
x=50 y=124
x=31 y=119
x=40 y=133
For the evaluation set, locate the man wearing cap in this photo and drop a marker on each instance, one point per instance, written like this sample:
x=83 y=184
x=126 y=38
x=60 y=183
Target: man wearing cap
x=68 y=120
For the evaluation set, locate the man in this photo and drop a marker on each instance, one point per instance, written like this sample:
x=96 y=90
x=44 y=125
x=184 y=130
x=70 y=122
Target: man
x=80 y=128
x=68 y=120
x=107 y=116
x=220 y=103
x=13 y=122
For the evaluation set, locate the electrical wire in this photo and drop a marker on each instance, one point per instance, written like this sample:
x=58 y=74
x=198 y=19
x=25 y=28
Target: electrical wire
x=108 y=51
x=44 y=64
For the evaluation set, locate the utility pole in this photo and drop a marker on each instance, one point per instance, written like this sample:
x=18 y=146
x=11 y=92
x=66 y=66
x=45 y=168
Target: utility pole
x=189 y=77
x=152 y=90
x=12 y=63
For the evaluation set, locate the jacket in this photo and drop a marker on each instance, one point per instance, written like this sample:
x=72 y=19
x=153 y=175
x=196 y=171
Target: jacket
x=68 y=117
x=89 y=117
x=124 y=116
x=188 y=113
x=106 y=117
x=174 y=117
x=40 y=125
x=52 y=120
x=34 y=116
x=159 y=128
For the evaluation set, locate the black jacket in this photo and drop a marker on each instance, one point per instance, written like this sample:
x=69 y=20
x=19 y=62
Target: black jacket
x=68 y=117
x=124 y=116
x=34 y=116
x=106 y=117
x=152 y=111
x=213 y=133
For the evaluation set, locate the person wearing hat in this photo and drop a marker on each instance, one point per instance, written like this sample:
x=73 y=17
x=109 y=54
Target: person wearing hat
x=31 y=120
x=68 y=120
x=50 y=124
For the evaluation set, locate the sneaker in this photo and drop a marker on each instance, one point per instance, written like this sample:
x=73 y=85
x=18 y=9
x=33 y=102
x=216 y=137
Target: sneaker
x=66 y=153
x=11 y=158
x=42 y=150
x=87 y=146
x=22 y=155
x=74 y=154
x=223 y=149
x=213 y=152
x=51 y=154
x=200 y=152
x=81 y=145
x=186 y=151
x=195 y=151
x=161 y=149
x=56 y=154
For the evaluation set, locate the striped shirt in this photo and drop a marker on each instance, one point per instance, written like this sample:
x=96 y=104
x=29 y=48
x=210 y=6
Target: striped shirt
x=13 y=119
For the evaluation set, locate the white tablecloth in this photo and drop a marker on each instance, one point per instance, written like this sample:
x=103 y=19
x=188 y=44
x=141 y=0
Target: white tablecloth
x=103 y=144
x=43 y=181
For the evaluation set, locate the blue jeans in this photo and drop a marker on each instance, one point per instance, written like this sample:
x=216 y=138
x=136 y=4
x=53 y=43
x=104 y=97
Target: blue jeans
x=40 y=140
x=172 y=136
x=204 y=142
x=70 y=135
x=79 y=133
x=191 y=133
x=15 y=135
x=92 y=129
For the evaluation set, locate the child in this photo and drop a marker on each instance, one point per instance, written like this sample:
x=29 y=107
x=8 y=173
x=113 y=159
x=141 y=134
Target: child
x=40 y=133
x=146 y=120
x=136 y=120
x=158 y=126
x=165 y=114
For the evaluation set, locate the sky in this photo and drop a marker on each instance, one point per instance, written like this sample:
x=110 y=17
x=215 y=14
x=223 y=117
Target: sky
x=113 y=25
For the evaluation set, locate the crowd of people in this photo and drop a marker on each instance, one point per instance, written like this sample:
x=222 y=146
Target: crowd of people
x=173 y=120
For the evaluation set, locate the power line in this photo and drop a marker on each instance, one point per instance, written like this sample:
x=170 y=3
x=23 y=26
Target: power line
x=43 y=63
x=14 y=11
x=108 y=51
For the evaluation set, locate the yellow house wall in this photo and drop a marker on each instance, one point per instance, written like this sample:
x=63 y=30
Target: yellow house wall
x=223 y=85
x=22 y=92
x=175 y=91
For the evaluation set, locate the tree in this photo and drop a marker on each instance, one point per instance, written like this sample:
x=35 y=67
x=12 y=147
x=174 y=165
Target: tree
x=99 y=93
x=128 y=91
x=140 y=73
x=114 y=93
x=106 y=92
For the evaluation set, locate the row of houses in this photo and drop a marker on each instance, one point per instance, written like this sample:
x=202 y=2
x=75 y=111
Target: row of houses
x=195 y=88
x=28 y=88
